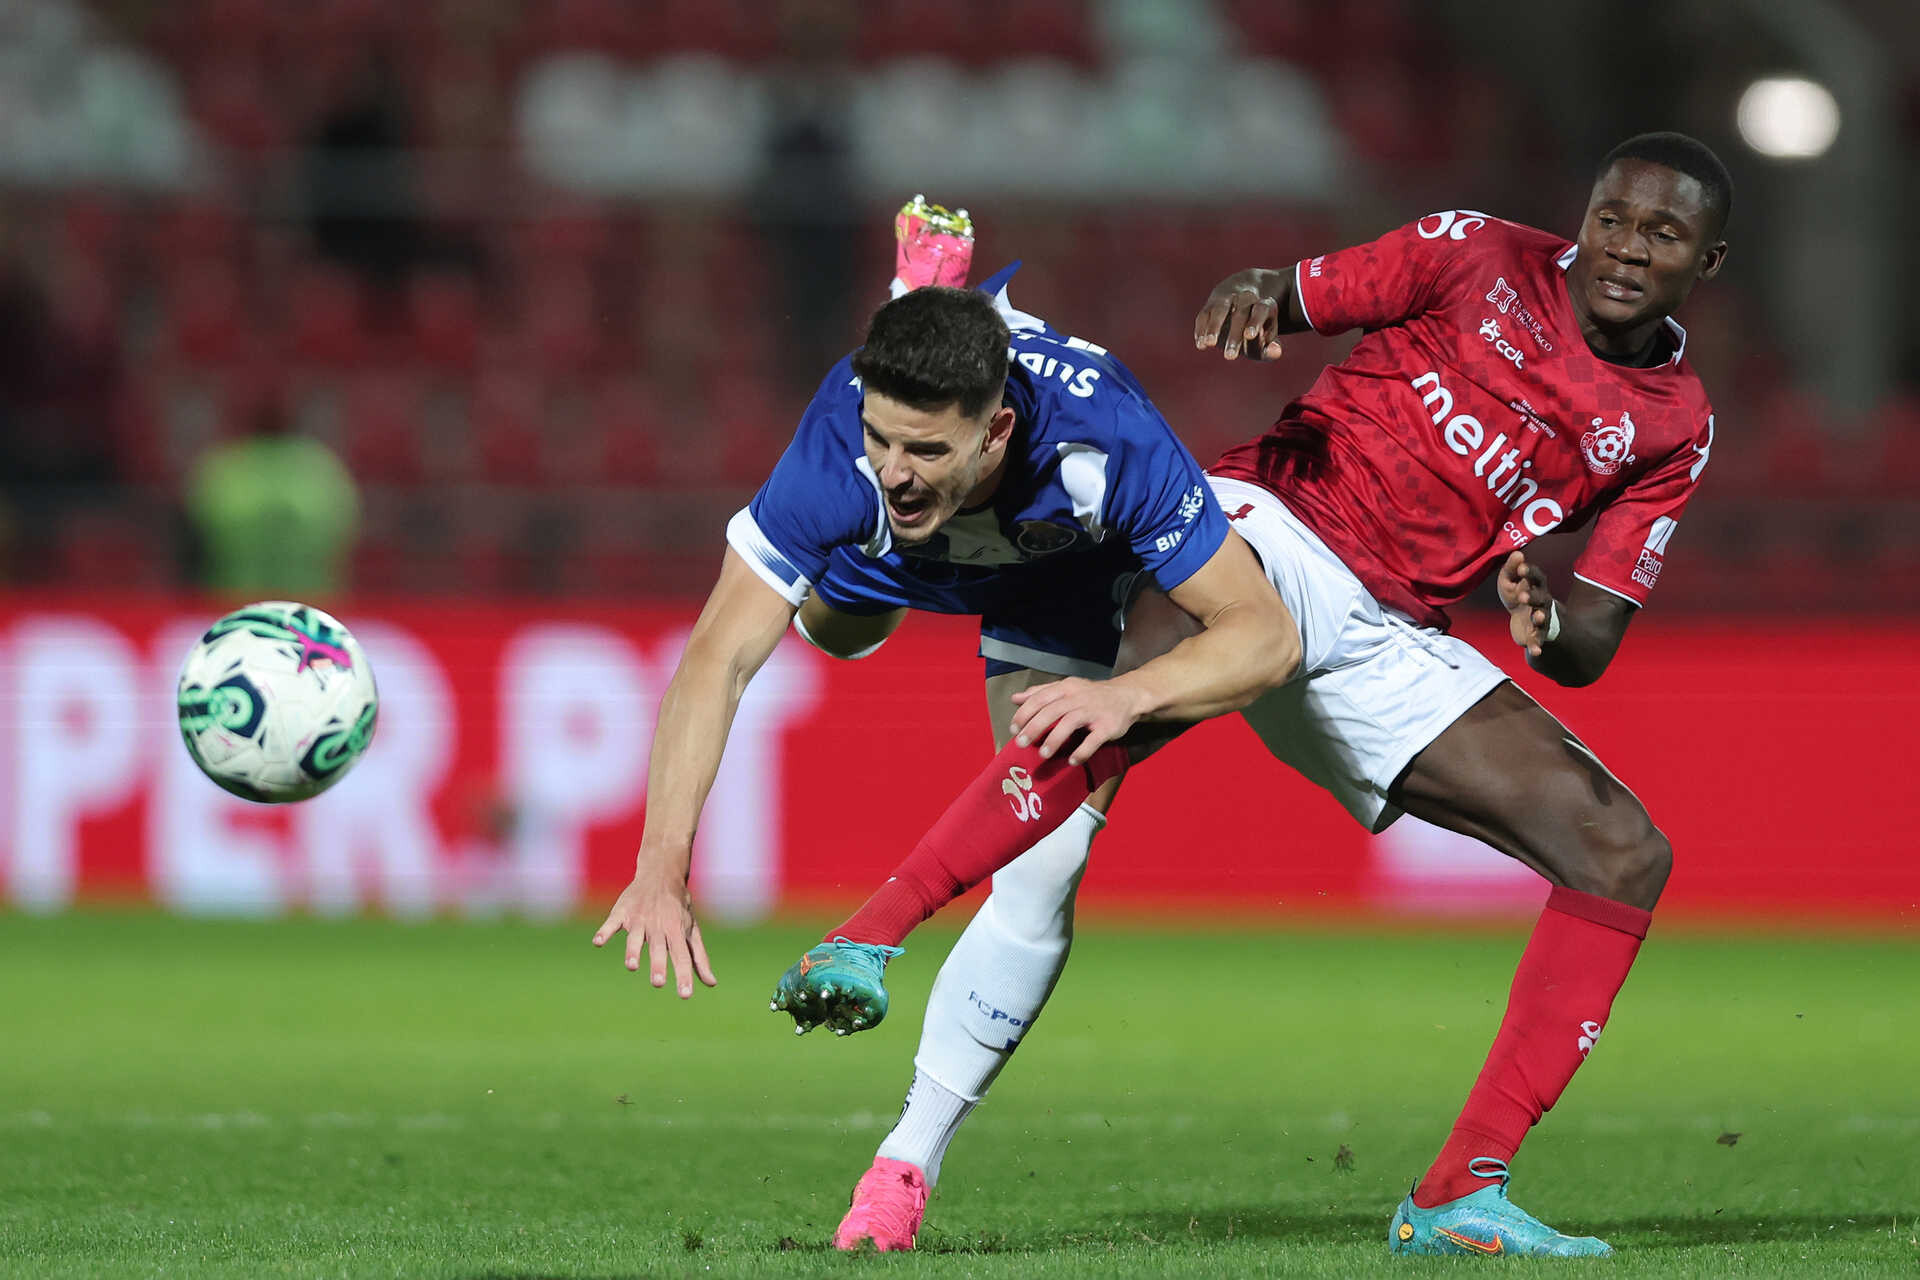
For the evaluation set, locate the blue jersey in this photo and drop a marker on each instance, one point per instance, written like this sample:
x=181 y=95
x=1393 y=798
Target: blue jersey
x=1097 y=488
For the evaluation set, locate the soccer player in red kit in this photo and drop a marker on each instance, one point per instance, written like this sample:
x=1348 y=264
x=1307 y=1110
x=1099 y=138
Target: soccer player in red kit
x=1508 y=383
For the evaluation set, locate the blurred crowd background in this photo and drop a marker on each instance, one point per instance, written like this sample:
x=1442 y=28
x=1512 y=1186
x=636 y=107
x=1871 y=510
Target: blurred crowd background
x=523 y=297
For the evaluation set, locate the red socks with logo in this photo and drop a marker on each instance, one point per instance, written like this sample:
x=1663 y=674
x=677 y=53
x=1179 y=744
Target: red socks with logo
x=1005 y=811
x=1574 y=965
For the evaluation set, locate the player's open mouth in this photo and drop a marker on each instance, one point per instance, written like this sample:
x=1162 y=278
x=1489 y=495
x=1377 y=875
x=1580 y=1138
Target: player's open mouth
x=1618 y=289
x=908 y=510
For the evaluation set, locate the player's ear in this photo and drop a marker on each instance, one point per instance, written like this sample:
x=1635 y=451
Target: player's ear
x=1711 y=261
x=999 y=430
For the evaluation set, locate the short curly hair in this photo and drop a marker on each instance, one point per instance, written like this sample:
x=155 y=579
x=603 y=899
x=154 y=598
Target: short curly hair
x=936 y=347
x=1682 y=154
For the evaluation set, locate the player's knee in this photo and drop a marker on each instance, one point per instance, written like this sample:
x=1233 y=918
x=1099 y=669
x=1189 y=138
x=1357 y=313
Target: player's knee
x=1629 y=862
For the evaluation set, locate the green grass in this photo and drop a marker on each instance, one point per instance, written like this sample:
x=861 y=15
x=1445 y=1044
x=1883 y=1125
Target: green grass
x=312 y=1098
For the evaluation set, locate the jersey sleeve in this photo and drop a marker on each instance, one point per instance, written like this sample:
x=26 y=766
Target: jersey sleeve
x=1388 y=280
x=818 y=498
x=1160 y=502
x=1628 y=546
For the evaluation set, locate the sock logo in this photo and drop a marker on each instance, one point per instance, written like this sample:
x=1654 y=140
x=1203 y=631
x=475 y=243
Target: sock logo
x=1017 y=786
x=1589 y=1036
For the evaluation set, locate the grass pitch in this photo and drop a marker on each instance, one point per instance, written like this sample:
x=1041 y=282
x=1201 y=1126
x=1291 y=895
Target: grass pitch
x=313 y=1098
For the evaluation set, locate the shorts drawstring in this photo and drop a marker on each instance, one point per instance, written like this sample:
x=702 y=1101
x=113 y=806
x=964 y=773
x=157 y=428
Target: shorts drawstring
x=1419 y=637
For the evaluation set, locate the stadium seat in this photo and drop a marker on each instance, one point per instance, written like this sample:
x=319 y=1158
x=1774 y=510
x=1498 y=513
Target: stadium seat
x=206 y=315
x=124 y=548
x=506 y=428
x=558 y=326
x=325 y=317
x=626 y=418
x=443 y=314
x=382 y=423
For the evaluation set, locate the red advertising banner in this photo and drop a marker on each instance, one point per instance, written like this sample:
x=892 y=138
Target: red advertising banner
x=509 y=773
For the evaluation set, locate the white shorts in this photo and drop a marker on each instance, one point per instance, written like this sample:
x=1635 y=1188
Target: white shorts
x=1373 y=689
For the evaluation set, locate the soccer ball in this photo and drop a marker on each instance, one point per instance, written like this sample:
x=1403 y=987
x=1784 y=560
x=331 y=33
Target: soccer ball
x=277 y=702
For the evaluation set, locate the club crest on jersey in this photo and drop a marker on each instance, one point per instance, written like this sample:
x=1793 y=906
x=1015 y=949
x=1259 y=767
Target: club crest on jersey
x=1608 y=448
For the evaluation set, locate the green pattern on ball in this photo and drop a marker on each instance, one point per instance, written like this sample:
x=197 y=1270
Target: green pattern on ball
x=273 y=623
x=333 y=751
x=232 y=704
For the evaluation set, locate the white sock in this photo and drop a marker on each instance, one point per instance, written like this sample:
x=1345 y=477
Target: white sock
x=993 y=985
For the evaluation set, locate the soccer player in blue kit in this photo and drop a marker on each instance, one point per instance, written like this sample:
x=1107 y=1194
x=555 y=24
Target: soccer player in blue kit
x=967 y=459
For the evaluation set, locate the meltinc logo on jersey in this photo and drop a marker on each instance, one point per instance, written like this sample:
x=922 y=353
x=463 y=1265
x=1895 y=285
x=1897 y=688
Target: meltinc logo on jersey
x=1505 y=473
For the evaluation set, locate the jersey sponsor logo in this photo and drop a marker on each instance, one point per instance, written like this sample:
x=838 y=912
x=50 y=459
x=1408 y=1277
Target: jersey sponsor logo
x=1608 y=447
x=1505 y=473
x=1589 y=1037
x=1506 y=299
x=1317 y=266
x=1193 y=504
x=1454 y=224
x=1017 y=787
x=1490 y=332
x=1646 y=569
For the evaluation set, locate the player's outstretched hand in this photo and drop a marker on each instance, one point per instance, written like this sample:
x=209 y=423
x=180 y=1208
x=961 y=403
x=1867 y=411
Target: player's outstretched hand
x=659 y=917
x=1050 y=714
x=1523 y=590
x=1239 y=319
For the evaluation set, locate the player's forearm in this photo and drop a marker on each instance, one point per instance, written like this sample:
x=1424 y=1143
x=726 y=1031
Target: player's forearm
x=689 y=738
x=1579 y=654
x=1241 y=654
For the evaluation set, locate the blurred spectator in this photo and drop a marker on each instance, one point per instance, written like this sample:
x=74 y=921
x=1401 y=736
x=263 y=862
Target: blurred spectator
x=359 y=174
x=59 y=380
x=805 y=202
x=274 y=512
x=74 y=107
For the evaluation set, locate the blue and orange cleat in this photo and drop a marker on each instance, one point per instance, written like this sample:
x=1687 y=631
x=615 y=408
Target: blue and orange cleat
x=1485 y=1224
x=837 y=984
x=888 y=1204
x=932 y=245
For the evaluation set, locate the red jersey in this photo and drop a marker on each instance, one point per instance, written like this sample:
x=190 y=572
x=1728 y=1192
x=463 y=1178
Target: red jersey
x=1472 y=418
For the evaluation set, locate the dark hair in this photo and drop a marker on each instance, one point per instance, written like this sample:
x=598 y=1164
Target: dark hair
x=1682 y=154
x=934 y=347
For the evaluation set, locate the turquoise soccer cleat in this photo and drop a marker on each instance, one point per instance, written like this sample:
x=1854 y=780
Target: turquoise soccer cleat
x=837 y=984
x=1485 y=1223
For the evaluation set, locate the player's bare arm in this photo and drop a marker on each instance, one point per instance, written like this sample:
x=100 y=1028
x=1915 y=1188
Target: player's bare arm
x=738 y=628
x=1248 y=311
x=1569 y=641
x=1248 y=644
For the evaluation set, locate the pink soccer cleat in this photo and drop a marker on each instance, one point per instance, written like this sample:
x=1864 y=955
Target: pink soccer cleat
x=888 y=1204
x=933 y=245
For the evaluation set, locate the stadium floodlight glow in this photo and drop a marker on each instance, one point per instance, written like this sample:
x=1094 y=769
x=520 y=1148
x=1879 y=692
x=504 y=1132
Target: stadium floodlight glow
x=1788 y=117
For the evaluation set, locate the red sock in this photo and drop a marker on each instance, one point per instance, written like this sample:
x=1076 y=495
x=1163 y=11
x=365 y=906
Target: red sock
x=1573 y=967
x=1005 y=811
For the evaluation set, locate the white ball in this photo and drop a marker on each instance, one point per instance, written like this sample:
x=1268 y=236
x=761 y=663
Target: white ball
x=277 y=702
